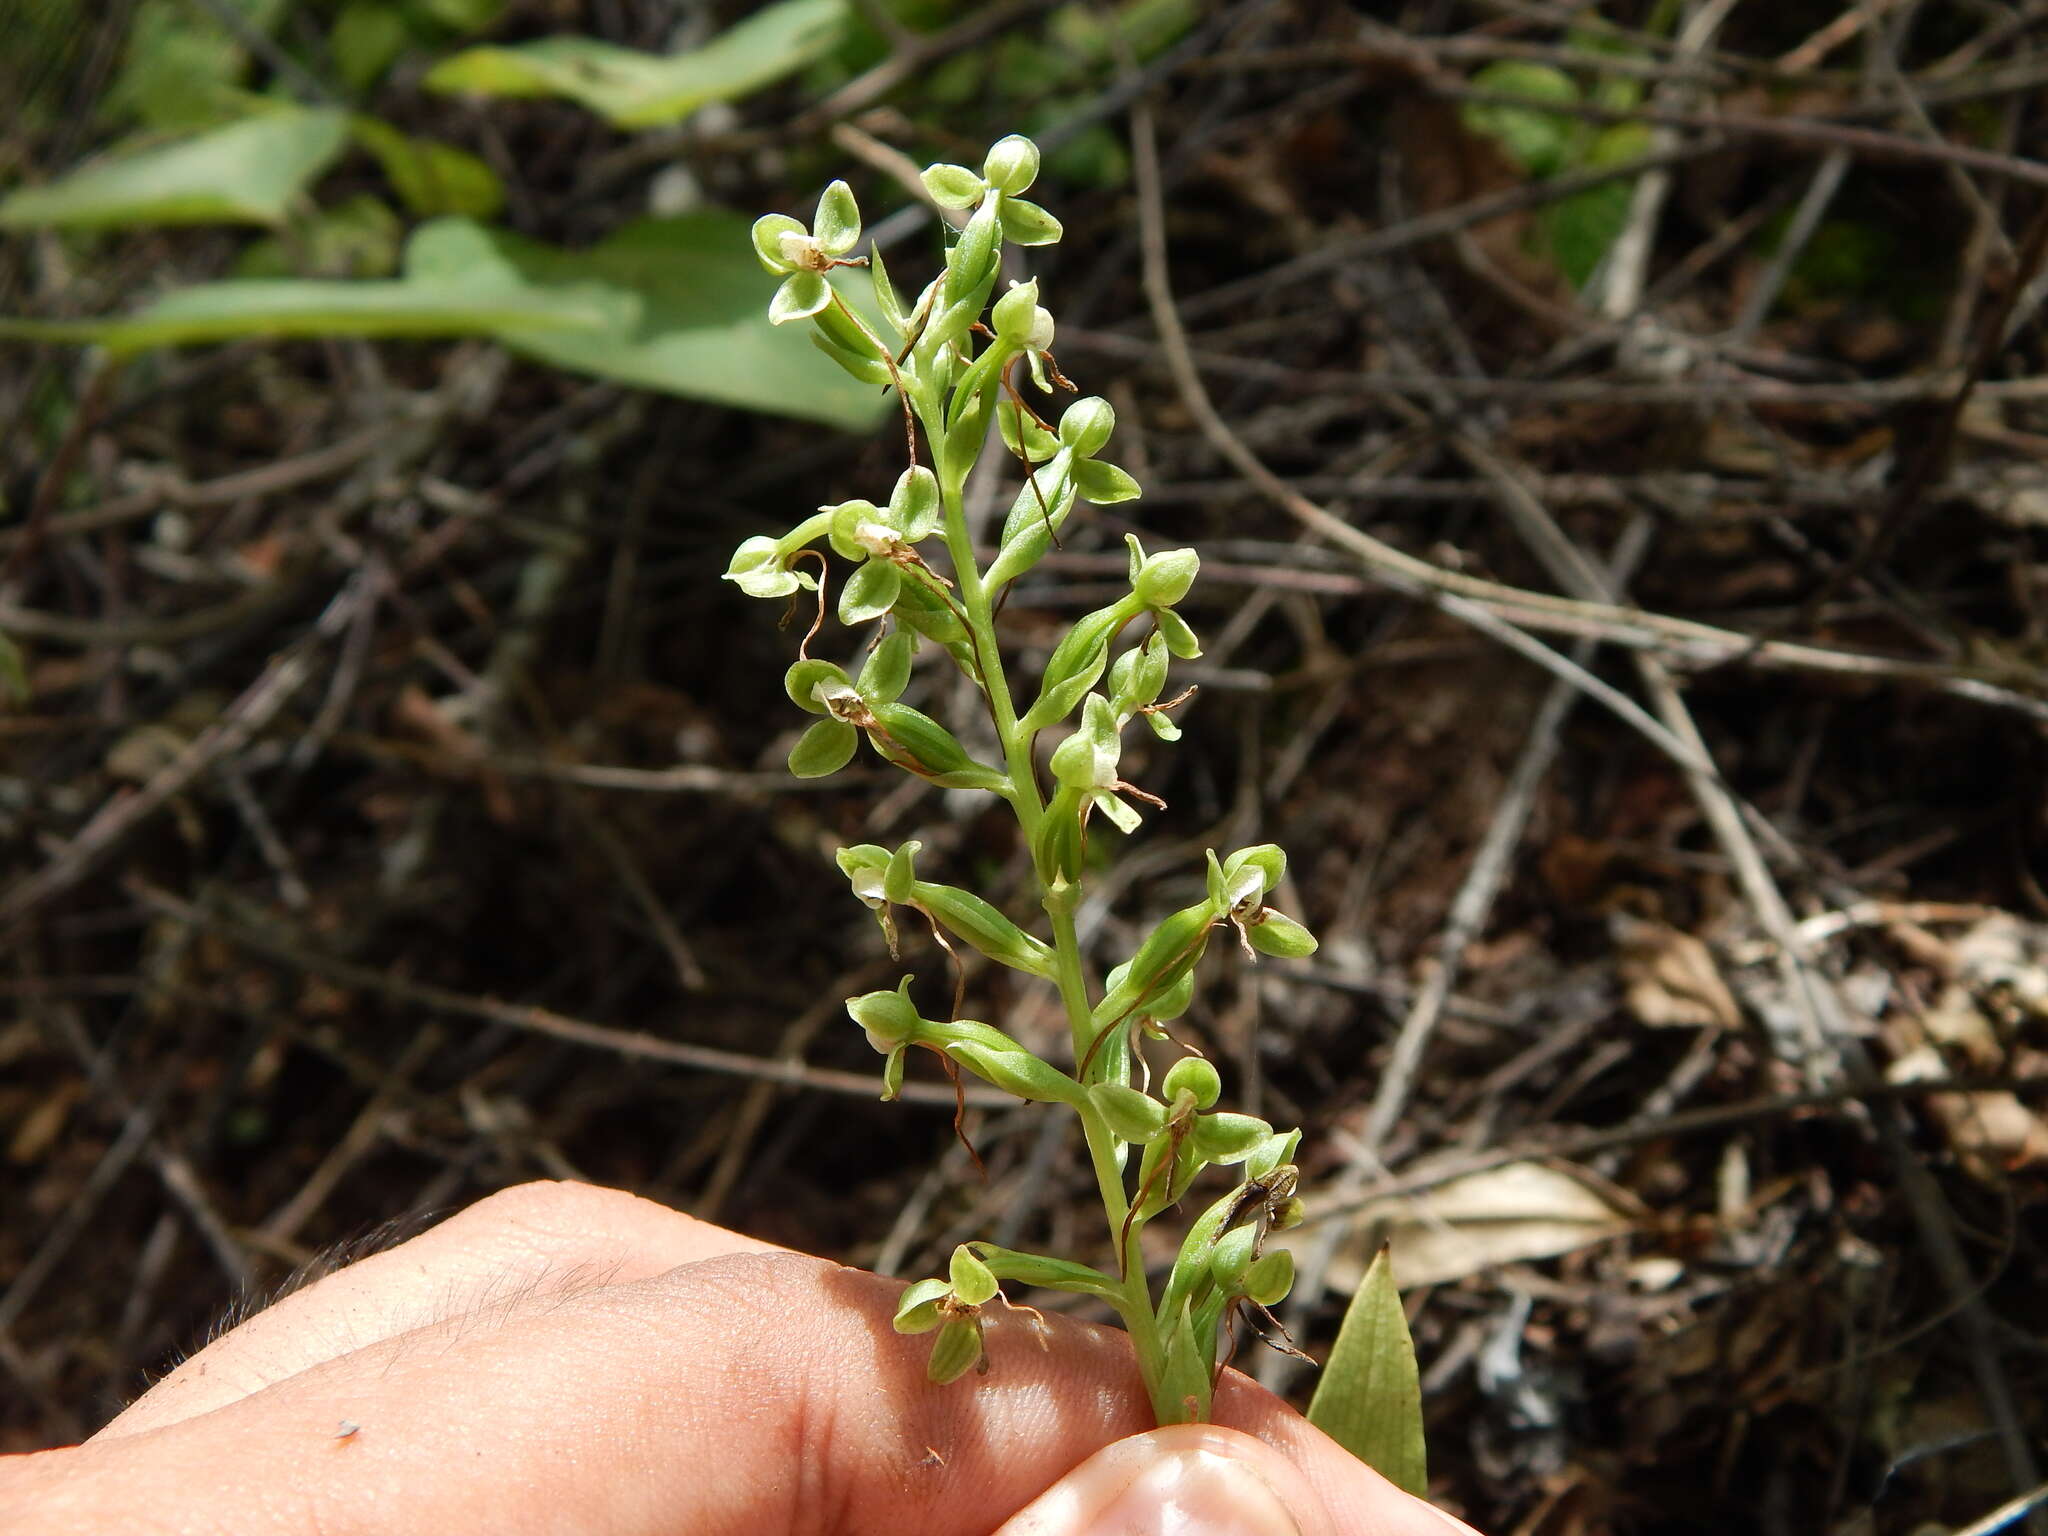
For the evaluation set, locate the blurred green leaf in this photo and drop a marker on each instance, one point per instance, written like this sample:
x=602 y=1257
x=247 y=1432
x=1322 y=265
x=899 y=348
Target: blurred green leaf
x=432 y=178
x=699 y=315
x=1540 y=142
x=228 y=311
x=182 y=67
x=13 y=672
x=642 y=90
x=367 y=36
x=1370 y=1397
x=1582 y=229
x=246 y=173
x=358 y=237
x=461 y=16
x=677 y=305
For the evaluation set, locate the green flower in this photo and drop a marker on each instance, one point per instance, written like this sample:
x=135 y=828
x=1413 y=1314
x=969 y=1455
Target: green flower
x=883 y=539
x=802 y=257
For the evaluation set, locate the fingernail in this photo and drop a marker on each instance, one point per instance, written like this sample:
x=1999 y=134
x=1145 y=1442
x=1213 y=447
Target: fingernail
x=1136 y=1488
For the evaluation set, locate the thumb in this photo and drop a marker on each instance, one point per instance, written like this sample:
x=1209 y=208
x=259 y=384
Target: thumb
x=1207 y=1480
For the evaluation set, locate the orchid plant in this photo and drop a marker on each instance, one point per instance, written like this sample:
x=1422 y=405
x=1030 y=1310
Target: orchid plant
x=953 y=354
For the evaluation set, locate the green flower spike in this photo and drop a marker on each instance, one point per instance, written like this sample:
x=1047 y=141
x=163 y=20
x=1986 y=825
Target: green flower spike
x=802 y=257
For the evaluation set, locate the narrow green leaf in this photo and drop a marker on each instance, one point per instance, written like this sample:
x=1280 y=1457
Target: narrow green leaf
x=246 y=173
x=1370 y=1397
x=645 y=90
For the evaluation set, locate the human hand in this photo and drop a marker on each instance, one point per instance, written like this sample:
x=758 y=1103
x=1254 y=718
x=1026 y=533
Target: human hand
x=565 y=1358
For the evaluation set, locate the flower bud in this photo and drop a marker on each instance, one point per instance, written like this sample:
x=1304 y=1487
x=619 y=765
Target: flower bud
x=1164 y=578
x=803 y=679
x=1197 y=1077
x=1013 y=312
x=1012 y=165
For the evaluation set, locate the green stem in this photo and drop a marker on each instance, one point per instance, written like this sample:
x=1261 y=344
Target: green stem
x=1134 y=1301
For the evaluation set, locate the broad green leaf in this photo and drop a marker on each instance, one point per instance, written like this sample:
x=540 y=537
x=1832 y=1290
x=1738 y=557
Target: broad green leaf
x=632 y=89
x=1370 y=1397
x=246 y=173
x=698 y=323
x=432 y=178
x=1541 y=143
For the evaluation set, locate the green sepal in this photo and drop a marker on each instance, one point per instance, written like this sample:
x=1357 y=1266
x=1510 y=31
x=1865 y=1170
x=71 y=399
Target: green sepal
x=1275 y=1151
x=914 y=508
x=917 y=1309
x=892 y=1074
x=899 y=876
x=1028 y=224
x=1270 y=1278
x=801 y=296
x=846 y=517
x=825 y=748
x=1132 y=1115
x=1025 y=437
x=1046 y=1273
x=804 y=676
x=869 y=592
x=1163 y=579
x=1179 y=638
x=767 y=237
x=837 y=224
x=973 y=1282
x=1277 y=934
x=956 y=1351
x=1195 y=1076
x=1017 y=1071
x=1105 y=484
x=888 y=1016
x=886 y=672
x=1269 y=859
x=1011 y=164
x=1232 y=1257
x=953 y=186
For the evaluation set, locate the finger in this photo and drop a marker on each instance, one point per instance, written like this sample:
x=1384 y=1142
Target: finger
x=751 y=1392
x=533 y=1238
